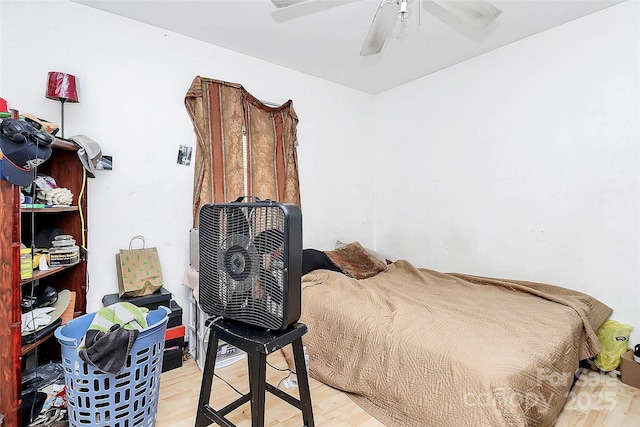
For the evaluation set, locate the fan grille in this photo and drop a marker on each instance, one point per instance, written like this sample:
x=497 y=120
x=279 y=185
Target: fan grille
x=250 y=262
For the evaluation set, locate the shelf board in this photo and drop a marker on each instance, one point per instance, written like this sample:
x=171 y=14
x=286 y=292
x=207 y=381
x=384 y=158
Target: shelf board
x=28 y=347
x=38 y=274
x=65 y=144
x=50 y=210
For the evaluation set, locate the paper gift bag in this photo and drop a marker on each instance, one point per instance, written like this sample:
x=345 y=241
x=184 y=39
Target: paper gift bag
x=139 y=271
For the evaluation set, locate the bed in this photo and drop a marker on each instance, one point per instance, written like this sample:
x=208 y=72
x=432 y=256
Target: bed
x=416 y=347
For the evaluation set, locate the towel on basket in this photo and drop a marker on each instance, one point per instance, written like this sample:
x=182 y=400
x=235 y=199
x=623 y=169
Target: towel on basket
x=112 y=333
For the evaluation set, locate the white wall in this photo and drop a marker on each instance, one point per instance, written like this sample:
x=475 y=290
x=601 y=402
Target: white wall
x=132 y=83
x=522 y=163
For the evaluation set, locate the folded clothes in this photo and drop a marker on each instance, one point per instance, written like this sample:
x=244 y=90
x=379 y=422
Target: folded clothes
x=34 y=321
x=41 y=333
x=111 y=335
x=35 y=318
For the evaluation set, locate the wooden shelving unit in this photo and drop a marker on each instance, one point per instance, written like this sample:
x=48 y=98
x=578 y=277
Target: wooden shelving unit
x=17 y=223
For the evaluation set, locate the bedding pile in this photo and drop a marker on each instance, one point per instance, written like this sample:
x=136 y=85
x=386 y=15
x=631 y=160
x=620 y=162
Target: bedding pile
x=416 y=347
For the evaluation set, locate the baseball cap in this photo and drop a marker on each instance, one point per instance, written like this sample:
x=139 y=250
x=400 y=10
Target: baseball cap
x=23 y=149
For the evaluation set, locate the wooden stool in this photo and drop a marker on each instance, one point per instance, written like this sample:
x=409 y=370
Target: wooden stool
x=257 y=343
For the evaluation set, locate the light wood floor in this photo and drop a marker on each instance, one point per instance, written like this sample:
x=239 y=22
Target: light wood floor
x=597 y=400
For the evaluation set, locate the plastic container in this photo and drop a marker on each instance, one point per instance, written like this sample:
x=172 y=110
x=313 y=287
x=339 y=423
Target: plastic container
x=192 y=336
x=26 y=264
x=226 y=354
x=67 y=255
x=128 y=399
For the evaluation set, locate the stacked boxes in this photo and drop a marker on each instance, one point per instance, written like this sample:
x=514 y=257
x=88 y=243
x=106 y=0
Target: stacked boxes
x=64 y=251
x=174 y=336
x=174 y=339
x=630 y=370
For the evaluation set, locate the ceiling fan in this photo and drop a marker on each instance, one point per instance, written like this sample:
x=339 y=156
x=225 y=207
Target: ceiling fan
x=477 y=13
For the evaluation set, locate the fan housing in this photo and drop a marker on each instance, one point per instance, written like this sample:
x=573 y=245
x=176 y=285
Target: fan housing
x=251 y=262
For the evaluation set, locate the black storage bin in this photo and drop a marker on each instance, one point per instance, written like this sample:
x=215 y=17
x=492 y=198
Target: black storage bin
x=152 y=302
x=175 y=318
x=172 y=359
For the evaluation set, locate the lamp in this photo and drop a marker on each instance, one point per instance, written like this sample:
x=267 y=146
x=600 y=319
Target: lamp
x=62 y=87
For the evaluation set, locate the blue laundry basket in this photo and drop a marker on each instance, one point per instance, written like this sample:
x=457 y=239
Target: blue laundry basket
x=128 y=399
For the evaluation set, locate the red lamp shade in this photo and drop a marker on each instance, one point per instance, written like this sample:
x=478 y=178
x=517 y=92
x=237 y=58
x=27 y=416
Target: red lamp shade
x=62 y=87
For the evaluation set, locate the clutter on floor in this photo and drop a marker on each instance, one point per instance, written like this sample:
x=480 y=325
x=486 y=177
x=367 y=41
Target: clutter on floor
x=44 y=400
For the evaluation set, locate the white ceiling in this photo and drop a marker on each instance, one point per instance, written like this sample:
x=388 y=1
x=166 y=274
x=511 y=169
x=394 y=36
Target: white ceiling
x=323 y=37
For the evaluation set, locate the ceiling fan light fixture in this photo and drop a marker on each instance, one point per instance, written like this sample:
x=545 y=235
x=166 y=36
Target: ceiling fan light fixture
x=286 y=3
x=477 y=13
x=403 y=13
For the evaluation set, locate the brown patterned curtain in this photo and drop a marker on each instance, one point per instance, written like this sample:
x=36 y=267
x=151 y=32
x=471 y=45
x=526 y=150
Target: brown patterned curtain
x=245 y=148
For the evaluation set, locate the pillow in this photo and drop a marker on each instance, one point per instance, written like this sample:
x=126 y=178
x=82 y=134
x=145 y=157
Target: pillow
x=313 y=259
x=356 y=262
x=339 y=244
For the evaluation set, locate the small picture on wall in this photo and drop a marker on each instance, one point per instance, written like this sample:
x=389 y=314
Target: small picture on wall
x=105 y=163
x=184 y=155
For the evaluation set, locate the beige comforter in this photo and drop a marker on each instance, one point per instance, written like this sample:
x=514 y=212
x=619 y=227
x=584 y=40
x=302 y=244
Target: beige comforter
x=420 y=348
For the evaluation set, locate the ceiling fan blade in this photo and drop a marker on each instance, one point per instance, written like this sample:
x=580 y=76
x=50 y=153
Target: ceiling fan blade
x=381 y=27
x=286 y=3
x=477 y=13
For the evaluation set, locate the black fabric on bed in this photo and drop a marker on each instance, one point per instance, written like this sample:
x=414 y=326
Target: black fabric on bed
x=313 y=259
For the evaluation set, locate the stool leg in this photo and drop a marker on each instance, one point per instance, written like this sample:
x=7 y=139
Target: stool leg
x=303 y=383
x=207 y=379
x=258 y=386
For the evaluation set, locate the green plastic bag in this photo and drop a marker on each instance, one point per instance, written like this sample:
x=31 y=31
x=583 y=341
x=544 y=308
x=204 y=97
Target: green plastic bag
x=614 y=337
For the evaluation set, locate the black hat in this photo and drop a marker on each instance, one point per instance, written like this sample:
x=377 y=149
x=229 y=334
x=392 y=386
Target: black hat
x=43 y=296
x=23 y=149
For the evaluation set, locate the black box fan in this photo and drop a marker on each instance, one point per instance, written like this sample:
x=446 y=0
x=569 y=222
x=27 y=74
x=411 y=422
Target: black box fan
x=251 y=262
